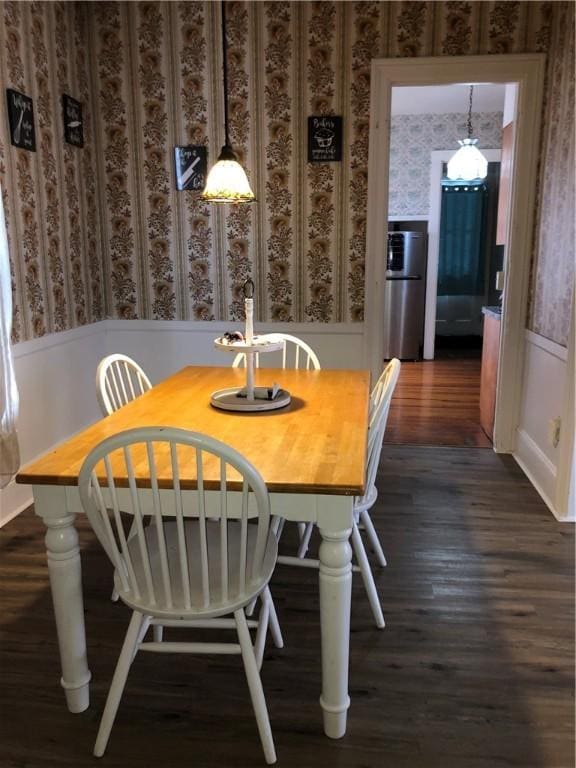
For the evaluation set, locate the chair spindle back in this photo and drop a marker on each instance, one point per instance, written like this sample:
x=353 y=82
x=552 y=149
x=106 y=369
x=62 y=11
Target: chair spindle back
x=168 y=475
x=380 y=399
x=295 y=354
x=119 y=379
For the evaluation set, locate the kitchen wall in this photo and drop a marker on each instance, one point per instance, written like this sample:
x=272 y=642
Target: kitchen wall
x=156 y=82
x=413 y=137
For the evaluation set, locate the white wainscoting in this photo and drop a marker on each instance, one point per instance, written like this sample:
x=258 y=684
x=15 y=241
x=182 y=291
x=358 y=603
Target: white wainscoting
x=543 y=399
x=162 y=347
x=55 y=377
x=56 y=373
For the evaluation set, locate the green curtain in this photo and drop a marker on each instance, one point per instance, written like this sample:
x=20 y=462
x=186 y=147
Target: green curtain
x=461 y=264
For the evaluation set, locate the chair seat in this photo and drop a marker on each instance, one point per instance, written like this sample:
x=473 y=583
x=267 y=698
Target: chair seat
x=236 y=596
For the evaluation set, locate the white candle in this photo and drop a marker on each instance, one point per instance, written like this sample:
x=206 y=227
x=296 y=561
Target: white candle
x=249 y=311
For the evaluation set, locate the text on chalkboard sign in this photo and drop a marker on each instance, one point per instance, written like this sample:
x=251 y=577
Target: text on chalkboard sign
x=191 y=165
x=324 y=139
x=21 y=120
x=73 y=126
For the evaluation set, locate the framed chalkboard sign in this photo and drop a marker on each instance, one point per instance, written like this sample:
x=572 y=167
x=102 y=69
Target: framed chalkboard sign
x=324 y=139
x=73 y=126
x=191 y=164
x=21 y=120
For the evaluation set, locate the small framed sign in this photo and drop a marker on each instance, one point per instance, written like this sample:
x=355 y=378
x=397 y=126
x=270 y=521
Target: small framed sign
x=324 y=139
x=73 y=126
x=21 y=120
x=191 y=165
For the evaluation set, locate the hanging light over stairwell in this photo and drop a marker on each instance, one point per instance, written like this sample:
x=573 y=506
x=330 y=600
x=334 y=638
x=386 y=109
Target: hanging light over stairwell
x=468 y=163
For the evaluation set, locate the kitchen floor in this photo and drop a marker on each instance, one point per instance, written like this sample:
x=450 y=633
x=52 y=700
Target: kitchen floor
x=437 y=402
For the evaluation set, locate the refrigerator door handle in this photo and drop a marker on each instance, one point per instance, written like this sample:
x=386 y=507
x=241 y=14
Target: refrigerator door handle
x=405 y=277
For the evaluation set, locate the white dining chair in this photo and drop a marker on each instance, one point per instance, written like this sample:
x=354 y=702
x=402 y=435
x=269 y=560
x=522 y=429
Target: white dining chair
x=195 y=572
x=119 y=379
x=380 y=399
x=295 y=353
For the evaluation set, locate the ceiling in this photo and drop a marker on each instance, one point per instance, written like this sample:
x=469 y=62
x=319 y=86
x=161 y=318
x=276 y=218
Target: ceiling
x=439 y=99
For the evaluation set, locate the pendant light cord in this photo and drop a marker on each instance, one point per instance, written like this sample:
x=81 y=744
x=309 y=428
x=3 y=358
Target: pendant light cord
x=225 y=73
x=470 y=113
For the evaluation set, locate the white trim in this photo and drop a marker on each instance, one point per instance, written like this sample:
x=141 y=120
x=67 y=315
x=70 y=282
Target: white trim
x=218 y=327
x=43 y=343
x=528 y=71
x=566 y=474
x=538 y=469
x=557 y=350
x=437 y=157
x=548 y=394
x=510 y=104
x=421 y=217
x=164 y=346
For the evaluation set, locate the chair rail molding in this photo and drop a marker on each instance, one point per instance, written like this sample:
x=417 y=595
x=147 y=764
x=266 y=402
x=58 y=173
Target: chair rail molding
x=527 y=70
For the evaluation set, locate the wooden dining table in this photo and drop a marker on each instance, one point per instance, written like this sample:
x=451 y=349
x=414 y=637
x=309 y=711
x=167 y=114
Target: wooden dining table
x=311 y=454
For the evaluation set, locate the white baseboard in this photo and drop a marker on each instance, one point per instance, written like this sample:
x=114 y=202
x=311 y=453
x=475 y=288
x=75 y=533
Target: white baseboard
x=538 y=468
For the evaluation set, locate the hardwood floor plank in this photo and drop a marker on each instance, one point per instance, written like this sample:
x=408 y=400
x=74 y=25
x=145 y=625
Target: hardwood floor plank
x=475 y=668
x=437 y=402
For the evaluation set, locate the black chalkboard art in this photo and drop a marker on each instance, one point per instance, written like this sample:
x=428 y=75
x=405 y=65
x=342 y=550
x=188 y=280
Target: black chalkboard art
x=324 y=139
x=21 y=120
x=191 y=164
x=73 y=127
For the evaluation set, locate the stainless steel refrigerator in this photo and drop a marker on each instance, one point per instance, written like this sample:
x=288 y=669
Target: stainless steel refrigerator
x=405 y=295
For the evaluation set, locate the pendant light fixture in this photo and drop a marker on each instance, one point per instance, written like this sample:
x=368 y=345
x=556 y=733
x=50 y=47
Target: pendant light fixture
x=468 y=164
x=227 y=181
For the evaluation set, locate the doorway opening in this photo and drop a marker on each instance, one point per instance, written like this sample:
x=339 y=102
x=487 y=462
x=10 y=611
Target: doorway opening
x=454 y=223
x=455 y=293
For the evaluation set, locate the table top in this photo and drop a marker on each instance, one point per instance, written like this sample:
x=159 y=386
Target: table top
x=317 y=444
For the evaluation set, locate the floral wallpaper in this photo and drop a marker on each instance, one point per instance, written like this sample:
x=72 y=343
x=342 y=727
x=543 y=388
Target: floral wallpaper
x=50 y=195
x=413 y=137
x=102 y=231
x=554 y=263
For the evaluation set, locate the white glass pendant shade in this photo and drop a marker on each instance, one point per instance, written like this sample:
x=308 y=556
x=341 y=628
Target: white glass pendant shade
x=468 y=163
x=227 y=181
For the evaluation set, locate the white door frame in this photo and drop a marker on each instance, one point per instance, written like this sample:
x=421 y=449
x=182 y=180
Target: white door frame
x=528 y=71
x=437 y=157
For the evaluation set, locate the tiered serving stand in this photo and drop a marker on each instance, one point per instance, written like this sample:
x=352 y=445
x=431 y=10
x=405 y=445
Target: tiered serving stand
x=249 y=398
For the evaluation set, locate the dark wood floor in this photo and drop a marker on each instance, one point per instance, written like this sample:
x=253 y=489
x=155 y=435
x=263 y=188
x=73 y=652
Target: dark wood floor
x=437 y=402
x=474 y=669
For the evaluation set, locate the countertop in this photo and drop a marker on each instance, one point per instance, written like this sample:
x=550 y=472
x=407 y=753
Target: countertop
x=495 y=312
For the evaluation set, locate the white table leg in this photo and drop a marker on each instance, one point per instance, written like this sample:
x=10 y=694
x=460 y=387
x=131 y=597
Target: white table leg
x=335 y=594
x=64 y=568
